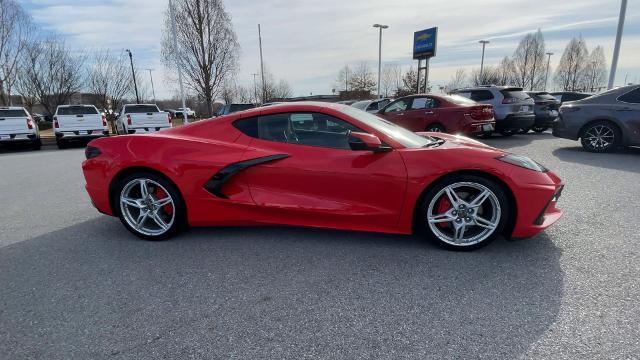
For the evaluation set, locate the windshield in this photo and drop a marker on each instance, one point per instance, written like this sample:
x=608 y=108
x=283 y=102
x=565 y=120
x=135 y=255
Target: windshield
x=399 y=134
x=361 y=104
x=77 y=110
x=6 y=113
x=136 y=109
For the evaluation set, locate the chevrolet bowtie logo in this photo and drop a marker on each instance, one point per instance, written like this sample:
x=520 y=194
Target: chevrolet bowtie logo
x=423 y=37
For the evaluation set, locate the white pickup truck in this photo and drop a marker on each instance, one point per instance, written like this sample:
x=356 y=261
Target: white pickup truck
x=17 y=126
x=78 y=122
x=142 y=118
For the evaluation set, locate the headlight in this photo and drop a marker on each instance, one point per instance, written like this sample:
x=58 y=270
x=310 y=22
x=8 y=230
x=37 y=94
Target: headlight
x=522 y=161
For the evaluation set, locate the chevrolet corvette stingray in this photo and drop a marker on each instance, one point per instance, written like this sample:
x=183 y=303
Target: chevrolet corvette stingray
x=319 y=165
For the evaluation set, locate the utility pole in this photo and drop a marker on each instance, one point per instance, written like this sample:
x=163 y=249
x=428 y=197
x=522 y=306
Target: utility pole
x=133 y=72
x=153 y=90
x=484 y=43
x=546 y=77
x=381 y=27
x=264 y=92
x=616 y=49
x=177 y=59
x=255 y=88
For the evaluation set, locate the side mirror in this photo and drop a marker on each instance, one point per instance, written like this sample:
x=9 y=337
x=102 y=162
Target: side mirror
x=366 y=142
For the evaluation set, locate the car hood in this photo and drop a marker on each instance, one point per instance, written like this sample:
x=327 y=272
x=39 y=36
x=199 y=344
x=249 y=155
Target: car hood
x=460 y=142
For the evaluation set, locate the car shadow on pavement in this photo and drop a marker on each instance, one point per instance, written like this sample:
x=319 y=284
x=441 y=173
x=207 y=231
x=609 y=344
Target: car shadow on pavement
x=92 y=290
x=624 y=159
x=516 y=140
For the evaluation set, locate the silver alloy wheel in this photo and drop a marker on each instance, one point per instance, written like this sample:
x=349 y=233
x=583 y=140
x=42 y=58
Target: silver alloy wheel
x=473 y=216
x=600 y=137
x=144 y=209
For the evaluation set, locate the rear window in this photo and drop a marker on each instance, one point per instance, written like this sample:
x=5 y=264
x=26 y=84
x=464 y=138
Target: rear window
x=77 y=110
x=459 y=100
x=514 y=94
x=12 y=113
x=136 y=109
x=544 y=96
x=240 y=107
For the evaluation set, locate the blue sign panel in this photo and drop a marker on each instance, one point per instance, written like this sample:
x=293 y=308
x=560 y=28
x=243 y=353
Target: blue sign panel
x=424 y=43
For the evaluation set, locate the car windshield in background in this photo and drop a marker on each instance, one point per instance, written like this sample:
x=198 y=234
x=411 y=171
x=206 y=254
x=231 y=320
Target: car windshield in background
x=77 y=110
x=459 y=100
x=12 y=113
x=135 y=109
x=403 y=136
x=544 y=96
x=514 y=94
x=361 y=104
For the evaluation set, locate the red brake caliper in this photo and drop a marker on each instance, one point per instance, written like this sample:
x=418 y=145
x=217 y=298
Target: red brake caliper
x=443 y=206
x=161 y=194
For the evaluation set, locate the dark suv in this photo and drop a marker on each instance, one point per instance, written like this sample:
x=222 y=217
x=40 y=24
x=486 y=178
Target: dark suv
x=546 y=110
x=231 y=108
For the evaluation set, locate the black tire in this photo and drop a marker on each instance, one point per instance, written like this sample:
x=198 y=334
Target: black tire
x=62 y=144
x=179 y=208
x=496 y=188
x=435 y=128
x=37 y=144
x=507 y=133
x=610 y=134
x=485 y=135
x=540 y=128
x=524 y=131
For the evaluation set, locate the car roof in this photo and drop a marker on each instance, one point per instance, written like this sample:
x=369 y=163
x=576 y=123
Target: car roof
x=79 y=105
x=140 y=104
x=11 y=108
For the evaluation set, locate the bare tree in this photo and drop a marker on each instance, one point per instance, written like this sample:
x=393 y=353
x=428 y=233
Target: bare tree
x=391 y=79
x=458 y=80
x=506 y=72
x=109 y=80
x=490 y=75
x=595 y=70
x=15 y=32
x=528 y=61
x=362 y=78
x=570 y=73
x=207 y=46
x=342 y=81
x=234 y=93
x=410 y=82
x=50 y=74
x=274 y=90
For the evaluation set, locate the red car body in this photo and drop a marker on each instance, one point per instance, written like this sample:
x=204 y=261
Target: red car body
x=311 y=186
x=451 y=114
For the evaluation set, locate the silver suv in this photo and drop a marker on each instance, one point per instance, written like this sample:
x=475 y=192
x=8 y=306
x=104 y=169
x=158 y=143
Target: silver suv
x=513 y=108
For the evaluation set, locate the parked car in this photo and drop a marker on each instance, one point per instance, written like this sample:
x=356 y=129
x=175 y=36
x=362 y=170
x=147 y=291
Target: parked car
x=371 y=106
x=231 y=108
x=545 y=109
x=512 y=107
x=78 y=122
x=346 y=102
x=564 y=96
x=319 y=165
x=440 y=113
x=604 y=121
x=190 y=113
x=17 y=127
x=142 y=118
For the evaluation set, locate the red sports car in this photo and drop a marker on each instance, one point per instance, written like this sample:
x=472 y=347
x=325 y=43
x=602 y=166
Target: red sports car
x=440 y=113
x=319 y=165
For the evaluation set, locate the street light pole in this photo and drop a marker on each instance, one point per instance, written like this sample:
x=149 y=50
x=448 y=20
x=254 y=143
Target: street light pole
x=153 y=90
x=380 y=26
x=261 y=65
x=546 y=77
x=484 y=43
x=616 y=49
x=255 y=88
x=133 y=72
x=185 y=116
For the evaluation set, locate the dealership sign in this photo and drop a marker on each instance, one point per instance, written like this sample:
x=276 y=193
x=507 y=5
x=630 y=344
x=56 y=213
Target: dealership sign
x=424 y=43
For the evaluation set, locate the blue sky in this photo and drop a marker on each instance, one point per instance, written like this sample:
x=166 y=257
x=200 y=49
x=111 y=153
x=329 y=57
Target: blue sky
x=306 y=42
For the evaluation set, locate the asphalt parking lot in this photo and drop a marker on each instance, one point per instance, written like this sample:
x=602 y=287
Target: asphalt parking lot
x=75 y=284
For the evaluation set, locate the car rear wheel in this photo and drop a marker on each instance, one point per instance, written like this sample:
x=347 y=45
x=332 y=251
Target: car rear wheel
x=507 y=132
x=150 y=206
x=435 y=128
x=524 y=131
x=62 y=144
x=36 y=144
x=540 y=128
x=600 y=136
x=464 y=212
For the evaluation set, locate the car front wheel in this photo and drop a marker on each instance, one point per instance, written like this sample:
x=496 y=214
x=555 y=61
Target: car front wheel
x=600 y=137
x=435 y=128
x=150 y=206
x=464 y=212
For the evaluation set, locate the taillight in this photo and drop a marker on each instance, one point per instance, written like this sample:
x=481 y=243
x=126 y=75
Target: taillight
x=481 y=112
x=509 y=100
x=55 y=122
x=129 y=122
x=29 y=124
x=104 y=120
x=169 y=118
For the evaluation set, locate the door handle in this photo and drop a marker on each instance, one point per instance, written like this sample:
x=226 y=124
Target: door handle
x=429 y=112
x=400 y=114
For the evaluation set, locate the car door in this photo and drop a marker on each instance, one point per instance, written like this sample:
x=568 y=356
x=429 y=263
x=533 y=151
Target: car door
x=395 y=111
x=319 y=180
x=627 y=110
x=422 y=112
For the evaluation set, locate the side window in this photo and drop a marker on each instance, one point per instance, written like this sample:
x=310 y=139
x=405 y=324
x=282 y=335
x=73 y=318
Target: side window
x=423 y=103
x=481 y=95
x=465 y=94
x=311 y=129
x=400 y=105
x=248 y=126
x=632 y=96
